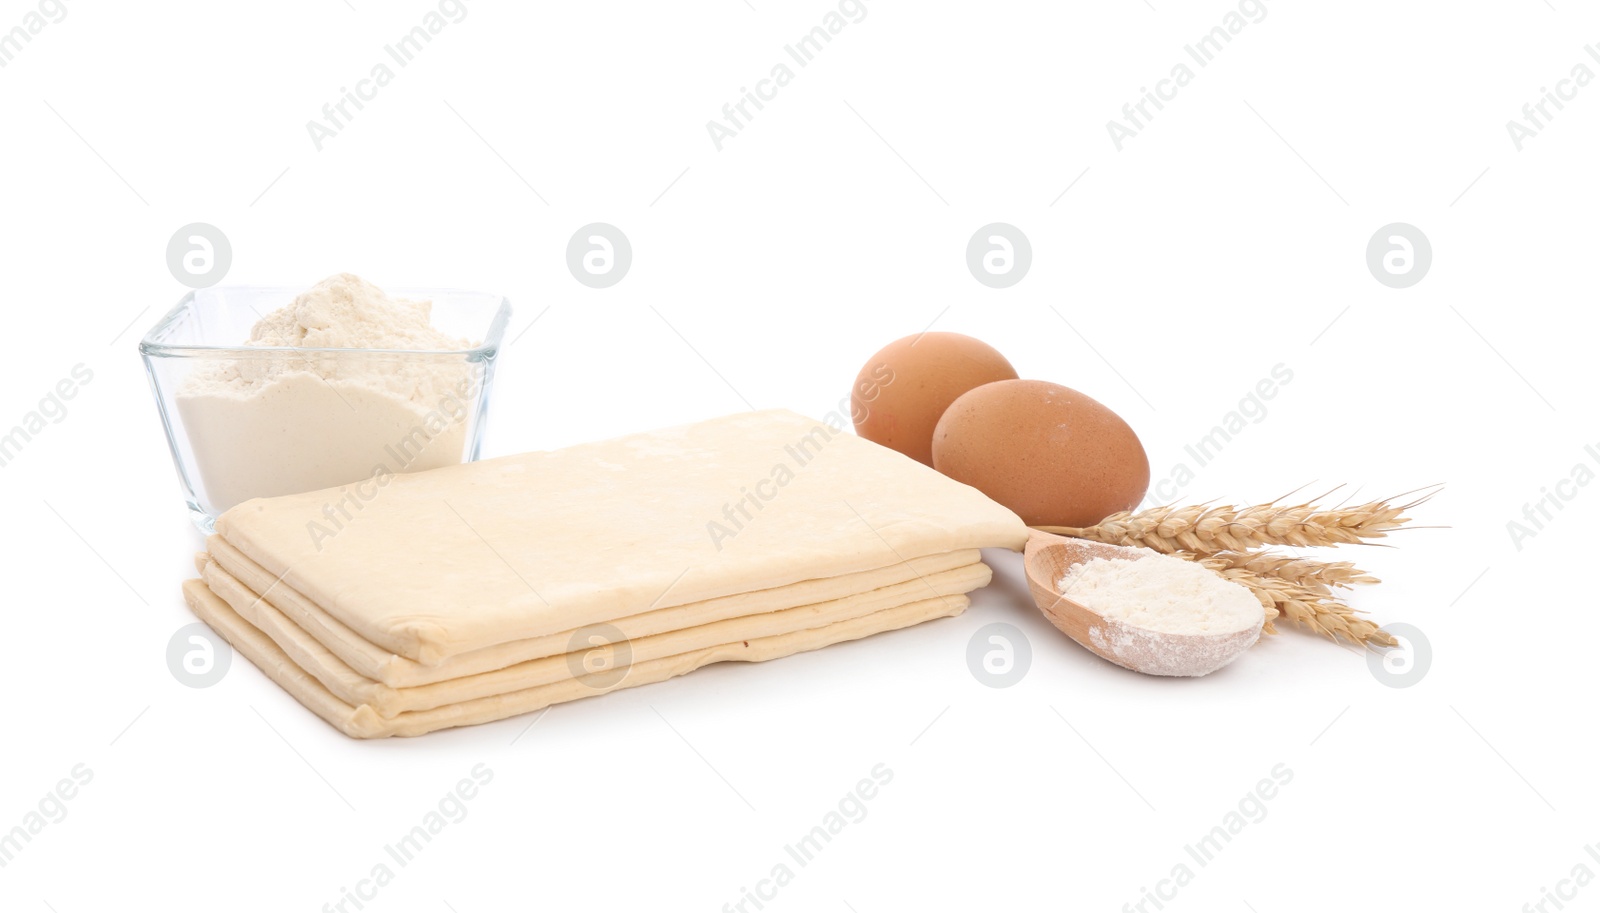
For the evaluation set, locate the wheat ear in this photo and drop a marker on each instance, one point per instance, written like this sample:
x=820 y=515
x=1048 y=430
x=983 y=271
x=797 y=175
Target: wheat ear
x=1304 y=571
x=1309 y=604
x=1209 y=530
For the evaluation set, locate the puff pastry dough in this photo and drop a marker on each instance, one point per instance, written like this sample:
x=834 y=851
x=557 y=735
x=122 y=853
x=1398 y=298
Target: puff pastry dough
x=439 y=563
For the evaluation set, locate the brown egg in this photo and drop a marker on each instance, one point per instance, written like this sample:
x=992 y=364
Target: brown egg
x=901 y=392
x=1051 y=454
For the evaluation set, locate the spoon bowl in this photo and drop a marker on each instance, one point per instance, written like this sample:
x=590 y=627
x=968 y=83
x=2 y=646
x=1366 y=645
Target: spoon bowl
x=1046 y=560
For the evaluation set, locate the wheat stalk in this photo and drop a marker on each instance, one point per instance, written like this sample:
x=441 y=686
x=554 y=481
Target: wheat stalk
x=1304 y=571
x=1308 y=602
x=1328 y=616
x=1206 y=530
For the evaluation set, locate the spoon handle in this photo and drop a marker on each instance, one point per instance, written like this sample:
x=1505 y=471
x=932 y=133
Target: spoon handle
x=1070 y=532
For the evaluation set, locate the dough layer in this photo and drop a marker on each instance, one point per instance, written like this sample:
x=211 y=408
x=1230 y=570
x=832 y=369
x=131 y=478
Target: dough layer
x=364 y=722
x=354 y=688
x=381 y=665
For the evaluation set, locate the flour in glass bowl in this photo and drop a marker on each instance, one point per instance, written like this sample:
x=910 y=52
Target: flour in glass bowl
x=285 y=422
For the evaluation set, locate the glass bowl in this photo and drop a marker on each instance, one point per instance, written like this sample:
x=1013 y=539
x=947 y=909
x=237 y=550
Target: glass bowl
x=257 y=421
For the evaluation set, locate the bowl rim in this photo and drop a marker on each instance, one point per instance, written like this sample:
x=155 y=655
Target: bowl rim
x=149 y=344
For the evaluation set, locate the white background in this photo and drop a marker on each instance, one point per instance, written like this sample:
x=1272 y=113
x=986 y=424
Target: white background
x=1226 y=238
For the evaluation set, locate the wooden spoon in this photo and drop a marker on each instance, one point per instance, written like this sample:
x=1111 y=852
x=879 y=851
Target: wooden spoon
x=1046 y=560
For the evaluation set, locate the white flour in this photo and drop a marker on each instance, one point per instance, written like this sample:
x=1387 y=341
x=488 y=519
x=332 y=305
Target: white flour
x=1163 y=594
x=290 y=422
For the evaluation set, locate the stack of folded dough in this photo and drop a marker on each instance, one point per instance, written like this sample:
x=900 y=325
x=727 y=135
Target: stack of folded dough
x=471 y=593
